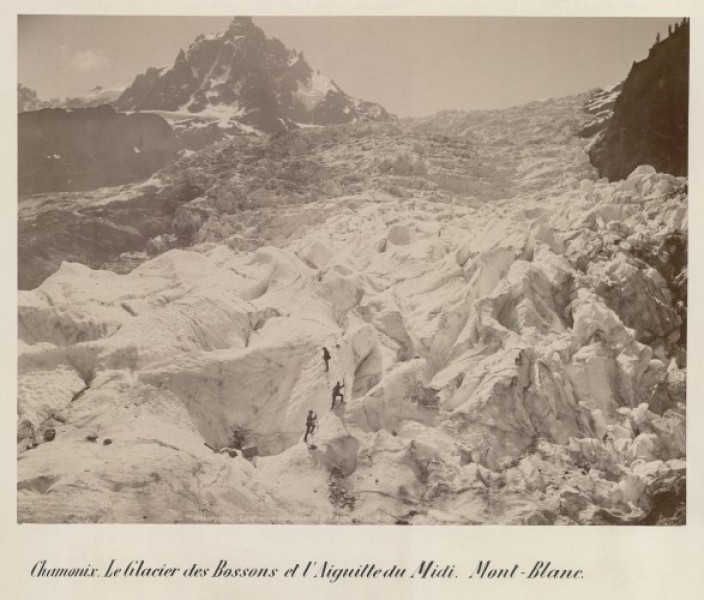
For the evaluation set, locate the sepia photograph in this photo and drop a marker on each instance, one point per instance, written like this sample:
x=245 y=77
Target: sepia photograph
x=352 y=270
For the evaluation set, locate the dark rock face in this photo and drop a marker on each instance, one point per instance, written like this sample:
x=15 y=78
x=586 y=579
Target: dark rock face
x=650 y=119
x=668 y=497
x=241 y=74
x=81 y=149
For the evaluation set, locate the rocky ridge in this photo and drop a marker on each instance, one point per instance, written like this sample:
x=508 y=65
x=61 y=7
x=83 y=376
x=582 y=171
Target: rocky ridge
x=28 y=100
x=68 y=150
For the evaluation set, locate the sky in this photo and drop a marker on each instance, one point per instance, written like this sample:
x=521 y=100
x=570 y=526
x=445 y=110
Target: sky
x=413 y=66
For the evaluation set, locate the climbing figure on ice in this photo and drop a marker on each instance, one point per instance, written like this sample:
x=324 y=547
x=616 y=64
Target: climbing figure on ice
x=337 y=394
x=311 y=424
x=326 y=358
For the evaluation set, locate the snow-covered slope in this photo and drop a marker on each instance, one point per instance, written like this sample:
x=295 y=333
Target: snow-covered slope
x=98 y=96
x=508 y=329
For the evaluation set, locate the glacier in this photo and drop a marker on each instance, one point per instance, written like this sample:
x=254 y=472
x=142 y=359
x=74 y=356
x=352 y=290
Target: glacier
x=509 y=329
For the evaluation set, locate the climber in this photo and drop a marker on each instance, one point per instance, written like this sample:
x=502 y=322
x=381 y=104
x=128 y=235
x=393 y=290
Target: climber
x=326 y=358
x=337 y=394
x=311 y=424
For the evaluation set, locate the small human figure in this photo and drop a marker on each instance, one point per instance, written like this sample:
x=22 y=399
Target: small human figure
x=311 y=424
x=337 y=394
x=326 y=358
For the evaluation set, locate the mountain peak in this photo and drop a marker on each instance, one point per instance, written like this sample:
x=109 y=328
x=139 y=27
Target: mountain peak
x=240 y=74
x=242 y=24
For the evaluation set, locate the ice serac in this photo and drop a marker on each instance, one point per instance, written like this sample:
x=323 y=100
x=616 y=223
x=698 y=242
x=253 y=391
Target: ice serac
x=509 y=328
x=241 y=74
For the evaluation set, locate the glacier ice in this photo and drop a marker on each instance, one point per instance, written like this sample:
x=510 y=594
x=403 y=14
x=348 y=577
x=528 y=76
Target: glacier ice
x=507 y=359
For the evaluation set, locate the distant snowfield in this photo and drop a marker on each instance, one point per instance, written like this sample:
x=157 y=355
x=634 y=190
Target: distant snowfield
x=490 y=377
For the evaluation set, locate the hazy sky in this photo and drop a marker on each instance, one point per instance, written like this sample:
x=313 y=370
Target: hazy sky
x=413 y=66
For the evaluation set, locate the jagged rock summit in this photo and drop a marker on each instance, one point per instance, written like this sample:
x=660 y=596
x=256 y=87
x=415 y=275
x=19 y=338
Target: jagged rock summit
x=241 y=74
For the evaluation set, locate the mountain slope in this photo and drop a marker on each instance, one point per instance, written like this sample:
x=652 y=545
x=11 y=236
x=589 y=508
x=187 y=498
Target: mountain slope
x=61 y=150
x=241 y=74
x=650 y=118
